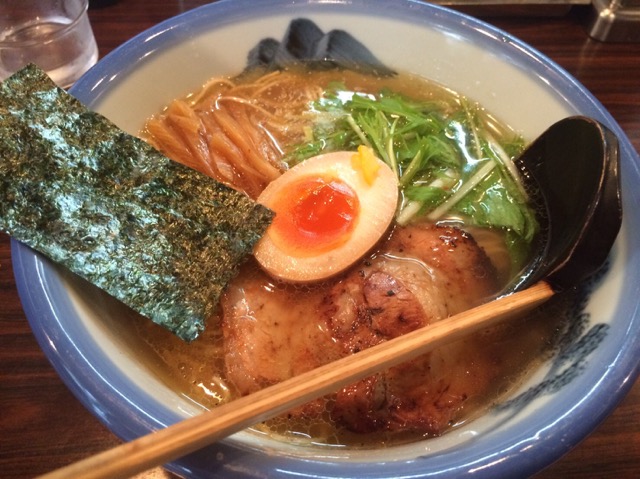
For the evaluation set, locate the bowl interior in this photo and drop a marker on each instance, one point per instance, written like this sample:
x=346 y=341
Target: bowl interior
x=559 y=404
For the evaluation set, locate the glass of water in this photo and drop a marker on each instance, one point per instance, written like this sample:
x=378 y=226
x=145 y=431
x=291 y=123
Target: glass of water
x=54 y=34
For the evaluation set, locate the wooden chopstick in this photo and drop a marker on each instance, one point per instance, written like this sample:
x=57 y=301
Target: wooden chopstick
x=196 y=432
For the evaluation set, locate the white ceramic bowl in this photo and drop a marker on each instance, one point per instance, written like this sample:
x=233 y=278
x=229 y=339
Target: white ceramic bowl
x=552 y=412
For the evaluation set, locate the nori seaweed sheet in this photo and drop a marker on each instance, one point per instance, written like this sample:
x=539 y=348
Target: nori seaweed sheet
x=159 y=236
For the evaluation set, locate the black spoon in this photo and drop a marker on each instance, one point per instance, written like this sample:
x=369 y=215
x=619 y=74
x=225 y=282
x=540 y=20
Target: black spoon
x=572 y=172
x=573 y=167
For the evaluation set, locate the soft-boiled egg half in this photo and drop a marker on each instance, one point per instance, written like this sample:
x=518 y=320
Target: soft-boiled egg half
x=329 y=211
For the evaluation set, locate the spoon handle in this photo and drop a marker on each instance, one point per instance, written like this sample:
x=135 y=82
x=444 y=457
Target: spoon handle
x=198 y=431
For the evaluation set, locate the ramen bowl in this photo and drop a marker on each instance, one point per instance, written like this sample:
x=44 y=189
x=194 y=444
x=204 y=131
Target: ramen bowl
x=554 y=409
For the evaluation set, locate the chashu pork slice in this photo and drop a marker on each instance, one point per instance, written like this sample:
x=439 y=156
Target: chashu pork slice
x=421 y=274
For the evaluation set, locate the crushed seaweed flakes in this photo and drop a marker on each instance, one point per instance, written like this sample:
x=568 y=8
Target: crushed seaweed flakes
x=160 y=237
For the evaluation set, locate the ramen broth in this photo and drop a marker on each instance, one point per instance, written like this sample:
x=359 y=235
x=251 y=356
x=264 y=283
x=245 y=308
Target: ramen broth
x=197 y=369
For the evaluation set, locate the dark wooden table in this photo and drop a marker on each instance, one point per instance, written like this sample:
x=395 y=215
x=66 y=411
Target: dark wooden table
x=43 y=427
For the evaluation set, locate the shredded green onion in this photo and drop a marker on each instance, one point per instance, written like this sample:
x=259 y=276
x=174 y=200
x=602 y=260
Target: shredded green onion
x=467 y=186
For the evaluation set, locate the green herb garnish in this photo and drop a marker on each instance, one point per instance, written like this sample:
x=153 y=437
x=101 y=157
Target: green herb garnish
x=445 y=156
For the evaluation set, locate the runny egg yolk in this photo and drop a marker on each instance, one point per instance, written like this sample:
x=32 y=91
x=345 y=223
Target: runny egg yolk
x=314 y=214
x=328 y=214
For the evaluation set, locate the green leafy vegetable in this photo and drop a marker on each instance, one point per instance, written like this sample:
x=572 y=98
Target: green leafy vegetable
x=444 y=154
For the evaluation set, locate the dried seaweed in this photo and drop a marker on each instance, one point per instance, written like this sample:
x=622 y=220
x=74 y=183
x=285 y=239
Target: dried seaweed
x=160 y=237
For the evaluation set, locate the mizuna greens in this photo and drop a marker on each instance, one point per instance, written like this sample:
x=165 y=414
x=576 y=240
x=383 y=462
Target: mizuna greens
x=446 y=156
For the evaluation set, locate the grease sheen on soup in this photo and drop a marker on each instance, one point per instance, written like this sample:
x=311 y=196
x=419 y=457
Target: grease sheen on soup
x=310 y=321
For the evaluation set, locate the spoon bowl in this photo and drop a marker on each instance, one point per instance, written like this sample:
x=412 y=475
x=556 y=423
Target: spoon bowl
x=571 y=171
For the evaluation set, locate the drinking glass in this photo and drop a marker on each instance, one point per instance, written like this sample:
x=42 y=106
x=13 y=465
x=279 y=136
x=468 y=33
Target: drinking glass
x=54 y=34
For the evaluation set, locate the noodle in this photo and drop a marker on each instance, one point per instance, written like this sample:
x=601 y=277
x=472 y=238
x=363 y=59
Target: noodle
x=204 y=92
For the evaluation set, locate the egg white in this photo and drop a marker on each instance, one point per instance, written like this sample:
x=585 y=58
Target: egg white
x=378 y=203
